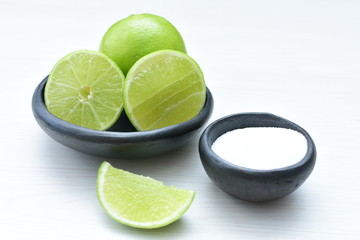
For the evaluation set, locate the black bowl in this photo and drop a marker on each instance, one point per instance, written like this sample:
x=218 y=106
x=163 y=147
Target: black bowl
x=253 y=184
x=121 y=140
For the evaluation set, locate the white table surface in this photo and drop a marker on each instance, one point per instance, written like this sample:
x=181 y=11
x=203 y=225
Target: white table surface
x=297 y=59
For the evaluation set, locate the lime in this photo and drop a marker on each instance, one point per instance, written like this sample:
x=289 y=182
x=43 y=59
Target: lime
x=139 y=201
x=133 y=37
x=85 y=88
x=163 y=88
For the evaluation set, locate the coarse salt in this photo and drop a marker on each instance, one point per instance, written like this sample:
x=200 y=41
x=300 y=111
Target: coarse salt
x=262 y=148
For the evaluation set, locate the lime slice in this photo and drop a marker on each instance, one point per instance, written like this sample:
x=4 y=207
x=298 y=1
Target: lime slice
x=139 y=201
x=85 y=88
x=163 y=88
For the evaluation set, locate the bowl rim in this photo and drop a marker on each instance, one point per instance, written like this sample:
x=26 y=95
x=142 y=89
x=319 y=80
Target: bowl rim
x=45 y=118
x=205 y=144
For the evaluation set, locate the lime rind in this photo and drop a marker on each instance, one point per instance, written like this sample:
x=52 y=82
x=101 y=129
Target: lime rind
x=138 y=35
x=81 y=76
x=193 y=82
x=153 y=187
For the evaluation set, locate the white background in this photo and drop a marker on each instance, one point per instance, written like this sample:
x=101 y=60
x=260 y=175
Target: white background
x=297 y=59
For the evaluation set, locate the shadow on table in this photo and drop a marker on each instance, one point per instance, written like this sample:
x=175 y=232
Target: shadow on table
x=285 y=213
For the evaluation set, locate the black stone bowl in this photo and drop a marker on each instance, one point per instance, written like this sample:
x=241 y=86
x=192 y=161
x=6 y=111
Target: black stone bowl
x=121 y=140
x=252 y=184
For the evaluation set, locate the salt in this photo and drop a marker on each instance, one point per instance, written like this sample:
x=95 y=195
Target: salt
x=262 y=148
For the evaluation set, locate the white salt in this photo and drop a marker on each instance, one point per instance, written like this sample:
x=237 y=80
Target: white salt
x=261 y=147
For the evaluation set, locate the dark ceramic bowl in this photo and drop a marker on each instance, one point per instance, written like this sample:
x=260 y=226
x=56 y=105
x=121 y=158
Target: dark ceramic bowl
x=252 y=184
x=121 y=140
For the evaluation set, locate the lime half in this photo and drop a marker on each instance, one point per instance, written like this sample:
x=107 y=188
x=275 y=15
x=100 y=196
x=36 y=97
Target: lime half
x=85 y=88
x=163 y=88
x=139 y=201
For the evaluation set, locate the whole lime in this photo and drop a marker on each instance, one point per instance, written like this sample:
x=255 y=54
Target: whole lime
x=133 y=37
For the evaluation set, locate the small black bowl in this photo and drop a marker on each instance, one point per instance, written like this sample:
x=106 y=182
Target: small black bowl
x=252 y=184
x=121 y=140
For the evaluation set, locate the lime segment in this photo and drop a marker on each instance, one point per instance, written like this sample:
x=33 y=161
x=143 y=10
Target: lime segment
x=85 y=88
x=163 y=88
x=139 y=201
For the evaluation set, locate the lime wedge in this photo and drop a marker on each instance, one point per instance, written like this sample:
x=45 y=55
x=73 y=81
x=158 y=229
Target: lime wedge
x=85 y=88
x=139 y=201
x=163 y=88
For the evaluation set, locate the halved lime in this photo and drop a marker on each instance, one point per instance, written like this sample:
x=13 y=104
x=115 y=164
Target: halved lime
x=163 y=88
x=139 y=201
x=85 y=88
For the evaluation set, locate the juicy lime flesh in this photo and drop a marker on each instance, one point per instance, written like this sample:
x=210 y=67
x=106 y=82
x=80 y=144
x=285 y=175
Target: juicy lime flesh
x=163 y=89
x=133 y=37
x=85 y=88
x=139 y=201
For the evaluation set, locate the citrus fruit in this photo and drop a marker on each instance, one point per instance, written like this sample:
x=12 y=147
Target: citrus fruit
x=139 y=201
x=163 y=88
x=85 y=88
x=133 y=37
